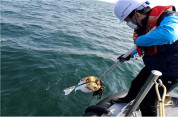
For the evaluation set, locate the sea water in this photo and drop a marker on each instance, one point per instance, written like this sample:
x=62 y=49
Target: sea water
x=50 y=45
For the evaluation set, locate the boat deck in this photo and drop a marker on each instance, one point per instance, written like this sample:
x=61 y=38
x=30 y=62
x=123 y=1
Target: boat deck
x=119 y=110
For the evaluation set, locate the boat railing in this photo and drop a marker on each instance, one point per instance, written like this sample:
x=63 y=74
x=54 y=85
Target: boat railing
x=143 y=92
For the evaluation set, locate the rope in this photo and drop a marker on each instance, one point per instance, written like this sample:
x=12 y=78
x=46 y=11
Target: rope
x=161 y=100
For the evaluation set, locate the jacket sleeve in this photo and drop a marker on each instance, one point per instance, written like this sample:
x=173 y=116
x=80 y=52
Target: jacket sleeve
x=166 y=33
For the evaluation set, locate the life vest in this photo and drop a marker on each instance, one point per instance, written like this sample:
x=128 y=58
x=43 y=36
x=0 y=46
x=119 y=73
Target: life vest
x=152 y=21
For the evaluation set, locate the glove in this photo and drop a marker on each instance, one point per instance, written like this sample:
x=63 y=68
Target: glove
x=122 y=59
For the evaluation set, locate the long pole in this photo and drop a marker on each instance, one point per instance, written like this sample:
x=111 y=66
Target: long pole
x=70 y=89
x=118 y=62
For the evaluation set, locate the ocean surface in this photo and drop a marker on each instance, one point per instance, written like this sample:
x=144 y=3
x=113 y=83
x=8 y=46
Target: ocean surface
x=50 y=45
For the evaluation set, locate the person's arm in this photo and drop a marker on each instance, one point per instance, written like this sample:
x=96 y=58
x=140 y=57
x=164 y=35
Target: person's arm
x=166 y=33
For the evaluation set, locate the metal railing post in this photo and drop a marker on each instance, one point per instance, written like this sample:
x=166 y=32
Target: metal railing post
x=145 y=89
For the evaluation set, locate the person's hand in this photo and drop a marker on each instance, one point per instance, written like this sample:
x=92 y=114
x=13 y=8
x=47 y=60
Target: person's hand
x=122 y=59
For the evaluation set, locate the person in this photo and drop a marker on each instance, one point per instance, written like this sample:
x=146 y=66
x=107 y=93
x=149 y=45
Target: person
x=156 y=37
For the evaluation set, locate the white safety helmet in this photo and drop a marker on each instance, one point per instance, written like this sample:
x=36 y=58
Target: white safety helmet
x=124 y=7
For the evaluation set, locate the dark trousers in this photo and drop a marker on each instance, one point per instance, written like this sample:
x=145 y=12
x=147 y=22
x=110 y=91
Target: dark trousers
x=148 y=105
